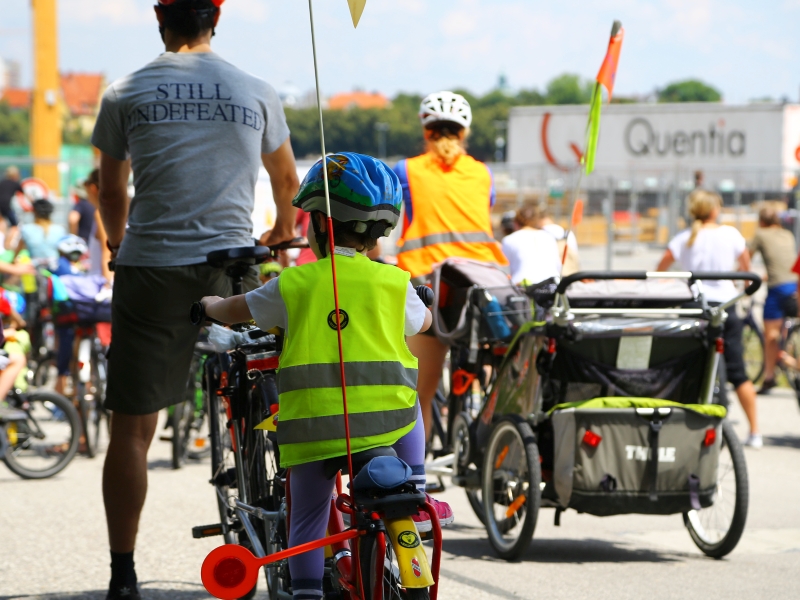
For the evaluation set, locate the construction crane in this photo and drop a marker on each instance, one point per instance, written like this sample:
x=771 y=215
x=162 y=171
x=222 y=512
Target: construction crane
x=46 y=111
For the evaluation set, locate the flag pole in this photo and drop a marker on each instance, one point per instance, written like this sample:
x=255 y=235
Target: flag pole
x=331 y=246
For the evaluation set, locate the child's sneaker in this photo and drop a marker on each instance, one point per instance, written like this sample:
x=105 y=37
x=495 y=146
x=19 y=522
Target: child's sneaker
x=443 y=510
x=754 y=440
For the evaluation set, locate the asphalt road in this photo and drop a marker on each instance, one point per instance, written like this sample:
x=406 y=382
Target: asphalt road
x=53 y=540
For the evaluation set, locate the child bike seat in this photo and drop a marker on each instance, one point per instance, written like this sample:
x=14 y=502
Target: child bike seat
x=360 y=459
x=382 y=473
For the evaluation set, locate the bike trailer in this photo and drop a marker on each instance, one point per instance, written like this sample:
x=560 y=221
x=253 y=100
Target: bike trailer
x=476 y=303
x=635 y=455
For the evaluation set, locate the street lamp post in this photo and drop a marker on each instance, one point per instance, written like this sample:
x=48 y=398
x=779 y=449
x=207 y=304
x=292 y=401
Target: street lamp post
x=382 y=129
x=500 y=128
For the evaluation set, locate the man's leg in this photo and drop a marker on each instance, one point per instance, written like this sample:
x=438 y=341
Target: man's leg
x=430 y=353
x=125 y=477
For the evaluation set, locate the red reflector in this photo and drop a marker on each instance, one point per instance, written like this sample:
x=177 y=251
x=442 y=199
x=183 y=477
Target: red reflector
x=590 y=438
x=720 y=345
x=551 y=346
x=230 y=572
x=273 y=408
x=711 y=437
x=263 y=364
x=499 y=350
x=80 y=365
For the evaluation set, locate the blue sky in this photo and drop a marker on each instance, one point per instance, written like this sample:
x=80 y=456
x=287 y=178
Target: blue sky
x=745 y=48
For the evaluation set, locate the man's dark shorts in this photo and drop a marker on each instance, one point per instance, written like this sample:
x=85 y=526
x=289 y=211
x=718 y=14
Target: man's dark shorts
x=152 y=337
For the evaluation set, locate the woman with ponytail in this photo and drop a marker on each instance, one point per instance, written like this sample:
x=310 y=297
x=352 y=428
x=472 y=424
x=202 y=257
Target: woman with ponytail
x=710 y=247
x=447 y=198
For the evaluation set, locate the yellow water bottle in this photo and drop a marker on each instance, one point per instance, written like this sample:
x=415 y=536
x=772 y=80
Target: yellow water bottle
x=28 y=281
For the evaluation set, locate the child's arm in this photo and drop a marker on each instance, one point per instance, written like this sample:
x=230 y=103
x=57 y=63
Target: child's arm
x=428 y=321
x=227 y=310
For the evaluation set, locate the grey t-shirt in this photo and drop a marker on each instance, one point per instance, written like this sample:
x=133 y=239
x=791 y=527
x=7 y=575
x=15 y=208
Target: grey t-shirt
x=194 y=127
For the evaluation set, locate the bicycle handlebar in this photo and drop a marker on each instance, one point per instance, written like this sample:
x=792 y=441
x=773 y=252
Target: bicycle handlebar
x=691 y=277
x=425 y=294
x=297 y=243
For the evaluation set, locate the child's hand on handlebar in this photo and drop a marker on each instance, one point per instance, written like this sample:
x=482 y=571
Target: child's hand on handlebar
x=208 y=302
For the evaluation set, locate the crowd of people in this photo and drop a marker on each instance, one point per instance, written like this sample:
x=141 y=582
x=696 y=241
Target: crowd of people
x=198 y=197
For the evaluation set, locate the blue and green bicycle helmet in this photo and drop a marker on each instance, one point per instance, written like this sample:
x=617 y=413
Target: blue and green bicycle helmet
x=365 y=193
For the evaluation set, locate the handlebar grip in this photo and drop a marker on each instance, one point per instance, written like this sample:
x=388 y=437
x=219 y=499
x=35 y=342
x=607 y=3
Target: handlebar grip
x=197 y=314
x=425 y=294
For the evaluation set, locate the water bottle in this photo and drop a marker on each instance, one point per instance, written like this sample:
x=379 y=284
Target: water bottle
x=493 y=313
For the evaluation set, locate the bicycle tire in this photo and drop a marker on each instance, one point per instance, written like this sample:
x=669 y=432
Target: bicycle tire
x=46 y=374
x=219 y=438
x=753 y=349
x=692 y=520
x=90 y=426
x=791 y=346
x=180 y=421
x=10 y=457
x=519 y=433
x=392 y=588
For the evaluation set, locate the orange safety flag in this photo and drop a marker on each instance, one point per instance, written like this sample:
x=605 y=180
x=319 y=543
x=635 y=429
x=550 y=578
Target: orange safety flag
x=606 y=77
x=608 y=70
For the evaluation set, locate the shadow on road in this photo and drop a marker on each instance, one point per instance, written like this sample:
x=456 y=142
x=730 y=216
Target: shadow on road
x=154 y=590
x=782 y=441
x=563 y=551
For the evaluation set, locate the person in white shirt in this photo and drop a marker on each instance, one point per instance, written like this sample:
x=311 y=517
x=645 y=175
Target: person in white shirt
x=708 y=246
x=572 y=264
x=532 y=253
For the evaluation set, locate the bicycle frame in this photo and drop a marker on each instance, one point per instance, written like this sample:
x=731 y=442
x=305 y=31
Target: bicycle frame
x=230 y=571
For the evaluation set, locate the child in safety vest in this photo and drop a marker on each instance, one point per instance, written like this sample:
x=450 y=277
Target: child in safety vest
x=378 y=308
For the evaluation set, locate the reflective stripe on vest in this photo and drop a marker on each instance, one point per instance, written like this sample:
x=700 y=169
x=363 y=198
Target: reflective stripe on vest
x=320 y=429
x=328 y=375
x=380 y=371
x=446 y=238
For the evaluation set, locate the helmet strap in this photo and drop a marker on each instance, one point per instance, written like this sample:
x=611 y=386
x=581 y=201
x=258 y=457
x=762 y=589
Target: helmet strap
x=321 y=238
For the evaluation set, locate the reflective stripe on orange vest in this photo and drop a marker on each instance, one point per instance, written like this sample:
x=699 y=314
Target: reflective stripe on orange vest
x=446 y=238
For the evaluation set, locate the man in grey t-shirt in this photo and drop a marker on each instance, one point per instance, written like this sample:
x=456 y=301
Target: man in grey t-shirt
x=195 y=130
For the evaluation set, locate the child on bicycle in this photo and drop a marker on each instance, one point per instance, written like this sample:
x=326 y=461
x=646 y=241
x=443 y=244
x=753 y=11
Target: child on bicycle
x=378 y=307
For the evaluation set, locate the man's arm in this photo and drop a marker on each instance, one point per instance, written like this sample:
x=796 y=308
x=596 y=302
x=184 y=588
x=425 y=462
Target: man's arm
x=114 y=197
x=283 y=177
x=74 y=219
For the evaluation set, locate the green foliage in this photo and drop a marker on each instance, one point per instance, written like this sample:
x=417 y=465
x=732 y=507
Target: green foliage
x=354 y=129
x=690 y=90
x=14 y=125
x=569 y=89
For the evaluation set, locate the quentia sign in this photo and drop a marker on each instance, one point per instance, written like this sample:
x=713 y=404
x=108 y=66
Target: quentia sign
x=662 y=138
x=642 y=138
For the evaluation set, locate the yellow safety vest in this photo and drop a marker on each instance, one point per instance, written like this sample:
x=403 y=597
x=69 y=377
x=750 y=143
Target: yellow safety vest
x=380 y=371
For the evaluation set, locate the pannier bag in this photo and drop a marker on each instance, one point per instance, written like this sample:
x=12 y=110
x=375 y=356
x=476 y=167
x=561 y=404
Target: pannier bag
x=476 y=303
x=636 y=455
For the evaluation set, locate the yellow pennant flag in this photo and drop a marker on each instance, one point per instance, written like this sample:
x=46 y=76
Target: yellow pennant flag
x=356 y=9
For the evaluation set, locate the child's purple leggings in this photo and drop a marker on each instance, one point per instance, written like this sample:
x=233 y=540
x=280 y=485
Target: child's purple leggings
x=311 y=498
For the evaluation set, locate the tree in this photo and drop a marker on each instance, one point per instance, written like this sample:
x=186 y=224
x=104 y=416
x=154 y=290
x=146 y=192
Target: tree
x=690 y=90
x=14 y=125
x=568 y=89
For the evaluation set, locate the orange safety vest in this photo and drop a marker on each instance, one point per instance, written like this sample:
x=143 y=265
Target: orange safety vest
x=450 y=215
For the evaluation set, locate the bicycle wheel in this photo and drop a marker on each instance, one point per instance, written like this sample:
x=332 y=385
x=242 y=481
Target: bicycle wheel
x=223 y=470
x=197 y=433
x=463 y=457
x=46 y=441
x=792 y=369
x=716 y=530
x=46 y=374
x=180 y=421
x=391 y=588
x=510 y=490
x=753 y=350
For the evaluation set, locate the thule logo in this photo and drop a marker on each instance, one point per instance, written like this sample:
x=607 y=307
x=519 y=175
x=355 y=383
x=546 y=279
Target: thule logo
x=642 y=453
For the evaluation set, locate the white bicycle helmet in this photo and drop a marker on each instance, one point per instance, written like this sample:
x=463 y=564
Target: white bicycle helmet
x=445 y=106
x=72 y=245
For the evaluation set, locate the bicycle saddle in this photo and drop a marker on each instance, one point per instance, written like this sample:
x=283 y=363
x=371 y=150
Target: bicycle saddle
x=331 y=466
x=253 y=255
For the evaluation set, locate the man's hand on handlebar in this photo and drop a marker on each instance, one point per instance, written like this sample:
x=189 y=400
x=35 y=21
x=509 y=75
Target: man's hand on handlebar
x=279 y=234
